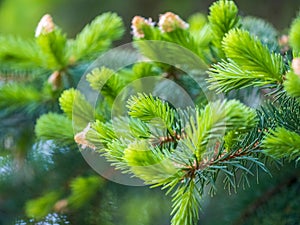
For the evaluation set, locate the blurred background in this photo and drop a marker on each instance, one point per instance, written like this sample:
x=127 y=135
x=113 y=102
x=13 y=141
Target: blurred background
x=131 y=206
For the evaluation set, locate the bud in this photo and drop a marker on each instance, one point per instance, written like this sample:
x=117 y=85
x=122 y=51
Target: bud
x=80 y=138
x=137 y=25
x=169 y=22
x=296 y=66
x=45 y=25
x=55 y=80
x=61 y=205
x=283 y=40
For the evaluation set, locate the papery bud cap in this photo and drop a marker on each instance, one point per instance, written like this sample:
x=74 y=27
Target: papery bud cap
x=45 y=25
x=137 y=25
x=296 y=66
x=169 y=22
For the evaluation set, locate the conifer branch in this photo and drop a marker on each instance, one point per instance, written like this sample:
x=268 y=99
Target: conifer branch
x=96 y=37
x=222 y=18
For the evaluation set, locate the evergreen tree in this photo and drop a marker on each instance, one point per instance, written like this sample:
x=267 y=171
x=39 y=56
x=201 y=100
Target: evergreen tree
x=42 y=180
x=246 y=137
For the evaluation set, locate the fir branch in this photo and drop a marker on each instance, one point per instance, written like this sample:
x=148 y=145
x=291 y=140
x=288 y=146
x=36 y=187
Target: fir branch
x=138 y=128
x=197 y=22
x=183 y=151
x=76 y=107
x=294 y=36
x=40 y=207
x=139 y=154
x=222 y=18
x=106 y=81
x=144 y=69
x=190 y=59
x=184 y=39
x=18 y=97
x=53 y=48
x=186 y=204
x=9 y=72
x=83 y=189
x=281 y=143
x=99 y=77
x=152 y=110
x=19 y=53
x=96 y=36
x=101 y=133
x=214 y=121
x=252 y=56
x=279 y=114
x=201 y=32
x=292 y=85
x=114 y=153
x=55 y=127
x=149 y=164
x=226 y=76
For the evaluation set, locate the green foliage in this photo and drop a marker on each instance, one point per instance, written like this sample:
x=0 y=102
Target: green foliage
x=285 y=113
x=33 y=74
x=76 y=108
x=292 y=84
x=226 y=76
x=186 y=40
x=56 y=127
x=18 y=52
x=201 y=32
x=179 y=40
x=20 y=97
x=40 y=207
x=282 y=143
x=96 y=37
x=101 y=133
x=155 y=111
x=223 y=17
x=99 y=77
x=253 y=56
x=148 y=163
x=52 y=51
x=83 y=189
x=215 y=120
x=294 y=35
x=260 y=28
x=167 y=160
x=197 y=21
x=186 y=204
x=249 y=64
x=140 y=154
x=144 y=69
x=185 y=151
x=53 y=47
x=106 y=80
x=66 y=102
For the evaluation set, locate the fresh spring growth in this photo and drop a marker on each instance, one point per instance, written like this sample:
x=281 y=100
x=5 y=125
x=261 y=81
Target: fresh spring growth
x=55 y=80
x=296 y=66
x=137 y=25
x=80 y=138
x=45 y=25
x=169 y=22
